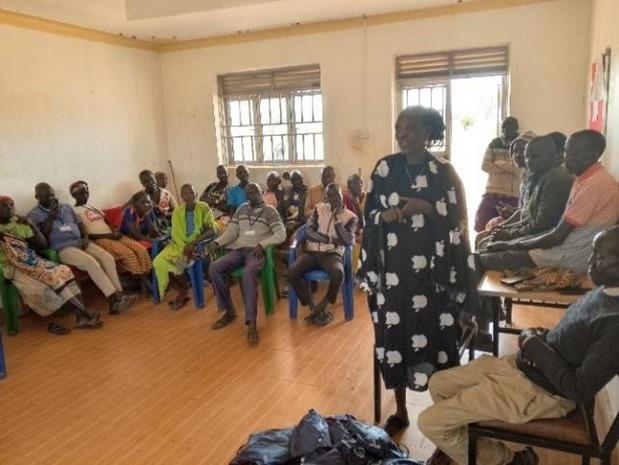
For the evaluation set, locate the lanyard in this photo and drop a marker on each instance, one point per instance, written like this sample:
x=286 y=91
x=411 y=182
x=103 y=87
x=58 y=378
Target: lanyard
x=249 y=218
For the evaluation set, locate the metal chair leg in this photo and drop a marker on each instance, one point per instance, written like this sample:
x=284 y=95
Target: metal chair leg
x=496 y=317
x=509 y=304
x=377 y=390
x=472 y=448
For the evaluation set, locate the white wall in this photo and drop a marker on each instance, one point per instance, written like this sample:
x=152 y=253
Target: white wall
x=72 y=109
x=549 y=50
x=604 y=33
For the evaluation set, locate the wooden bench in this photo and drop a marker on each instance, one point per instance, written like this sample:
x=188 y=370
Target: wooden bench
x=491 y=286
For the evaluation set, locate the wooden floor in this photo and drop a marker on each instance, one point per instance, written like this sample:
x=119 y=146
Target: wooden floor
x=160 y=387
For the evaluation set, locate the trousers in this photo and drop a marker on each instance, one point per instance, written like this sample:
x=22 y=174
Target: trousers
x=99 y=264
x=488 y=388
x=219 y=271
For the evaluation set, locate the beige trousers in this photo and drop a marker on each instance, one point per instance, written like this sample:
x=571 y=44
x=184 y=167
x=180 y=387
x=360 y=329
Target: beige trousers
x=486 y=389
x=99 y=264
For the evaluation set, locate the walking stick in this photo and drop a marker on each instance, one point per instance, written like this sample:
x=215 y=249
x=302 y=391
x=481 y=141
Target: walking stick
x=174 y=180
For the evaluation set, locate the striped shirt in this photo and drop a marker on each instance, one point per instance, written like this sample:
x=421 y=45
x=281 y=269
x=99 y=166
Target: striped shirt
x=252 y=226
x=592 y=207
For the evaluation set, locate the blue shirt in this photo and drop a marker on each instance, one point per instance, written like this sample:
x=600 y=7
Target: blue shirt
x=189 y=220
x=236 y=197
x=130 y=217
x=65 y=229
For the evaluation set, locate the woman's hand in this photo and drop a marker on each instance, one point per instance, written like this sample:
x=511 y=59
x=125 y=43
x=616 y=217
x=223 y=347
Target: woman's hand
x=391 y=215
x=416 y=207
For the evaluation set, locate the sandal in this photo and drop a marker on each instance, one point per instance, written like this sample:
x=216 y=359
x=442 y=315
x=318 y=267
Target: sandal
x=226 y=319
x=95 y=323
x=178 y=304
x=58 y=329
x=395 y=424
x=252 y=336
x=322 y=319
x=123 y=304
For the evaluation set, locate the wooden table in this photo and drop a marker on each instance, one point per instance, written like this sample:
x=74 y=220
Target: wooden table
x=491 y=286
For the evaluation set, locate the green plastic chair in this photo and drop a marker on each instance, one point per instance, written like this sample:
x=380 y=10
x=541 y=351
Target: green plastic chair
x=268 y=281
x=10 y=304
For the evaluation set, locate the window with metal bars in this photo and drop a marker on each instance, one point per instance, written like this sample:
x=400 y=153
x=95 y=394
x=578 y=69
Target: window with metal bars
x=272 y=117
x=426 y=79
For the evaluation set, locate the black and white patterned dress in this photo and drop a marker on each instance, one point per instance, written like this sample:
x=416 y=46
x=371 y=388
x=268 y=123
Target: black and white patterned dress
x=418 y=272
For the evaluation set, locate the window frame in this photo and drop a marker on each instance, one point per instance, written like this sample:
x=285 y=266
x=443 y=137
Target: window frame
x=258 y=138
x=445 y=78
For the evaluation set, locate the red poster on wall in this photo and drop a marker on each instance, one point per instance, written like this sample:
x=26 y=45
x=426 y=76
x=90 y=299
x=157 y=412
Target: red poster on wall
x=598 y=100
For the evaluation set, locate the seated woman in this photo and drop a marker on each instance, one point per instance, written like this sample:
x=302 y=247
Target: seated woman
x=131 y=255
x=44 y=286
x=162 y=199
x=139 y=220
x=192 y=222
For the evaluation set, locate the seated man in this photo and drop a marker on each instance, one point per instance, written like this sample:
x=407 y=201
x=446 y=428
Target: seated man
x=192 y=222
x=330 y=228
x=139 y=221
x=44 y=286
x=274 y=195
x=559 y=139
x=294 y=200
x=547 y=193
x=216 y=195
x=131 y=255
x=66 y=234
x=252 y=229
x=354 y=200
x=316 y=193
x=236 y=195
x=593 y=206
x=551 y=373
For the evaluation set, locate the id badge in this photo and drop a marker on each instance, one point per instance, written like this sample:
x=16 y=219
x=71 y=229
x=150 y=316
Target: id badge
x=250 y=232
x=66 y=228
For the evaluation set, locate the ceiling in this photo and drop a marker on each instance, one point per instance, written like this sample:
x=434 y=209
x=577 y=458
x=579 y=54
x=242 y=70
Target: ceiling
x=164 y=20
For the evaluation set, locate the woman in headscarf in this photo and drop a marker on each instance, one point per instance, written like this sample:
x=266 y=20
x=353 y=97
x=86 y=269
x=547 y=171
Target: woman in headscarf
x=416 y=263
x=44 y=286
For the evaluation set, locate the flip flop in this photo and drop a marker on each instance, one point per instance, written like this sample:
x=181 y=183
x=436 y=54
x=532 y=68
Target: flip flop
x=89 y=324
x=177 y=304
x=395 y=424
x=58 y=329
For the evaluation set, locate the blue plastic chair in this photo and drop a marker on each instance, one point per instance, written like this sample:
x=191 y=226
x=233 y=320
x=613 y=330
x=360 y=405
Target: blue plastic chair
x=319 y=275
x=195 y=272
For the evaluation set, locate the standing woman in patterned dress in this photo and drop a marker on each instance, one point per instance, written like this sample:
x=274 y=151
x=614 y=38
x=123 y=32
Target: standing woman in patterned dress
x=415 y=263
